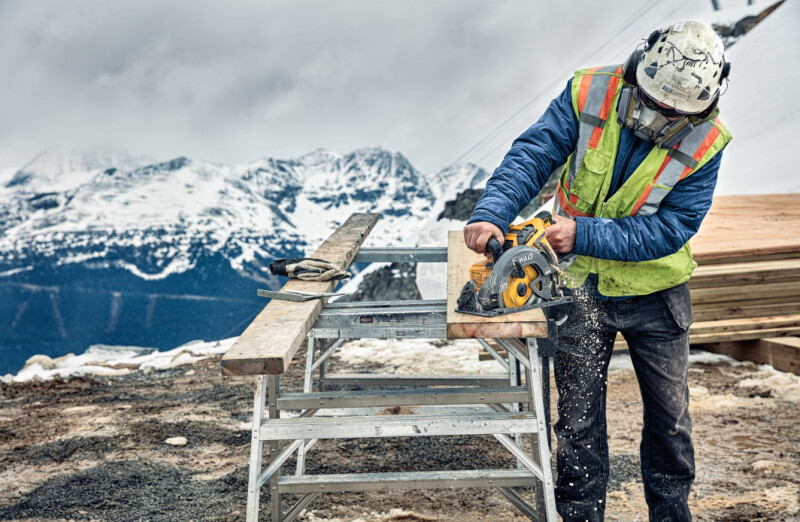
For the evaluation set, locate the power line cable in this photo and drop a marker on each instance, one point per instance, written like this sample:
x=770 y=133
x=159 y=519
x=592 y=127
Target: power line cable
x=626 y=24
x=504 y=141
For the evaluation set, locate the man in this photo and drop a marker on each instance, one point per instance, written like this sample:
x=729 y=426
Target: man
x=641 y=146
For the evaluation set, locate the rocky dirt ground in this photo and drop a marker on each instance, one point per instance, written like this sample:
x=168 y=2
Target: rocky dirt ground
x=95 y=448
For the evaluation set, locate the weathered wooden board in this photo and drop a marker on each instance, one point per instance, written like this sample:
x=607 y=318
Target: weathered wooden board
x=749 y=228
x=742 y=293
x=743 y=335
x=530 y=323
x=268 y=345
x=740 y=274
x=746 y=309
x=745 y=324
x=783 y=353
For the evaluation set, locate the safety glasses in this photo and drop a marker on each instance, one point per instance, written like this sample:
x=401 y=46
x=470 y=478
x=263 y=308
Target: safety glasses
x=654 y=106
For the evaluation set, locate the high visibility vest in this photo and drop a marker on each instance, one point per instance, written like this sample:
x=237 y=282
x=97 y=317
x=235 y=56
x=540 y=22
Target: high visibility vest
x=586 y=178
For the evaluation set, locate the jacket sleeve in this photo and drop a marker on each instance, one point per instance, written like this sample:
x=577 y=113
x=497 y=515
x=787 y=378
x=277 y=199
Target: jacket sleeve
x=642 y=238
x=529 y=163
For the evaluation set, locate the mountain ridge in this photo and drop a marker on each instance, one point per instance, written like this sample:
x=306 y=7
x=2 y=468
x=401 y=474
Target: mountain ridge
x=160 y=253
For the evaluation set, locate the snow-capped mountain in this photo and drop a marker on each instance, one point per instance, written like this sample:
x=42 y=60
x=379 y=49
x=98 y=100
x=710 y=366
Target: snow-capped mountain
x=183 y=208
x=101 y=246
x=63 y=169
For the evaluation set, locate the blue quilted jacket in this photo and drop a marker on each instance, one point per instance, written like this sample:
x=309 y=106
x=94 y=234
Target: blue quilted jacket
x=546 y=145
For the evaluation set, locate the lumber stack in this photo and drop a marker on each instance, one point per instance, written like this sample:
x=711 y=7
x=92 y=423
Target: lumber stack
x=743 y=301
x=747 y=284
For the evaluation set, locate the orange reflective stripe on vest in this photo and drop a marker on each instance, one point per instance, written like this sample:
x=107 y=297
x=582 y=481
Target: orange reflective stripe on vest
x=566 y=205
x=674 y=168
x=596 y=96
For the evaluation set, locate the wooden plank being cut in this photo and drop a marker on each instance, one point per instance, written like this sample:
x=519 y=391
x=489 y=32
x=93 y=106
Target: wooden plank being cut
x=268 y=345
x=530 y=323
x=749 y=228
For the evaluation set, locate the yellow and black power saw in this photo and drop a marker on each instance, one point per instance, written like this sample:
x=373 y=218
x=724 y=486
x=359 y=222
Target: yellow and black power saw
x=524 y=273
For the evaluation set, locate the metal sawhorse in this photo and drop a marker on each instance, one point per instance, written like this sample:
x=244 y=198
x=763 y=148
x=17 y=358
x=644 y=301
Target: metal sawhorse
x=502 y=394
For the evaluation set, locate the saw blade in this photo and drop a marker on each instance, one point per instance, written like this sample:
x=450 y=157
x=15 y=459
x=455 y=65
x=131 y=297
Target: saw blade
x=520 y=264
x=518 y=291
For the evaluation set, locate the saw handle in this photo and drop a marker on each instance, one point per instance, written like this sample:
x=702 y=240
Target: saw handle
x=494 y=246
x=546 y=217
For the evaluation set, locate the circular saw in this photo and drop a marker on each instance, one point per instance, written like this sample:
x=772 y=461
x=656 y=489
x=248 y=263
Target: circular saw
x=524 y=273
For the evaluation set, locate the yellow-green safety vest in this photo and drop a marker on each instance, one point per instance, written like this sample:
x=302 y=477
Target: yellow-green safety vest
x=586 y=177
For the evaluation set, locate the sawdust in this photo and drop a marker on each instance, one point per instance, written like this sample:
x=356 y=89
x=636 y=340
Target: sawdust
x=770 y=467
x=627 y=503
x=702 y=400
x=782 y=499
x=22 y=479
x=206 y=413
x=210 y=462
x=393 y=515
x=785 y=386
x=398 y=515
x=80 y=410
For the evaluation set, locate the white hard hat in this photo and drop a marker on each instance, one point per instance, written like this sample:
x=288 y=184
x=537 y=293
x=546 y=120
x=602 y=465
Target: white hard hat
x=683 y=67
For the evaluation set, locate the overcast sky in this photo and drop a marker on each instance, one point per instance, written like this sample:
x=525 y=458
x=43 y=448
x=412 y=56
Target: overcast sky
x=235 y=81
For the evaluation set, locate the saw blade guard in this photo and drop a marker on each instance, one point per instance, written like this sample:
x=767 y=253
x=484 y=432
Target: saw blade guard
x=521 y=265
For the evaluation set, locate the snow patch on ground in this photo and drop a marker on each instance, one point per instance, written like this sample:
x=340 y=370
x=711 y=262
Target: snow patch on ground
x=418 y=356
x=621 y=361
x=781 y=385
x=116 y=360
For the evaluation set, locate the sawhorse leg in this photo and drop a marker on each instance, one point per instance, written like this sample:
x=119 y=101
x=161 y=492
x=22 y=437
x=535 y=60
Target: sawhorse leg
x=266 y=393
x=547 y=509
x=514 y=377
x=273 y=382
x=256 y=450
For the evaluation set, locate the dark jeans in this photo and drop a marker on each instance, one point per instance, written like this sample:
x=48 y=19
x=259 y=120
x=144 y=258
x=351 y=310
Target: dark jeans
x=656 y=329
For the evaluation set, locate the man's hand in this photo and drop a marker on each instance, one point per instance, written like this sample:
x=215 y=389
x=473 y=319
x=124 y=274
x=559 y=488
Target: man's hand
x=561 y=234
x=477 y=234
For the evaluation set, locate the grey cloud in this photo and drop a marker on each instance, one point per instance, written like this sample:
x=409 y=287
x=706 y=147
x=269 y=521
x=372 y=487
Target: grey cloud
x=232 y=81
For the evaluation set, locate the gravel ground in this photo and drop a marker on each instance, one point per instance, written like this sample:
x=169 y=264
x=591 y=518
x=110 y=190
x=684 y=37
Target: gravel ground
x=93 y=448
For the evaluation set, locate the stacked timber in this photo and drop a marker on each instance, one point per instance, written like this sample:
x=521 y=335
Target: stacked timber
x=747 y=283
x=743 y=301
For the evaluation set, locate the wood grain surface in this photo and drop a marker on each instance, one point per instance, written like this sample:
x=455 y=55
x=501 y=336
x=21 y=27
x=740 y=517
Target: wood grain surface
x=268 y=345
x=749 y=228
